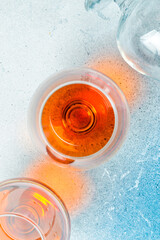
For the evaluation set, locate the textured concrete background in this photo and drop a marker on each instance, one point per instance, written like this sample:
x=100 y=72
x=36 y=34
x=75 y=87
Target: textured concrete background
x=121 y=199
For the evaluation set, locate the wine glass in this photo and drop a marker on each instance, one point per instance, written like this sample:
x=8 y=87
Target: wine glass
x=79 y=118
x=29 y=210
x=138 y=35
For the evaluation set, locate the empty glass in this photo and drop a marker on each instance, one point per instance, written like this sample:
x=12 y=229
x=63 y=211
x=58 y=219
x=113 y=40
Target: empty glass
x=79 y=118
x=138 y=35
x=31 y=211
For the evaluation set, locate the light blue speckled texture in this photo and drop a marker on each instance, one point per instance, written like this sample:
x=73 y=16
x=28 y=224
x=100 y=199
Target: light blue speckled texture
x=121 y=199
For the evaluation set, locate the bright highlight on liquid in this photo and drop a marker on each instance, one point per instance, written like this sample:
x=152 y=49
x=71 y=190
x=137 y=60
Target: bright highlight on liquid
x=43 y=200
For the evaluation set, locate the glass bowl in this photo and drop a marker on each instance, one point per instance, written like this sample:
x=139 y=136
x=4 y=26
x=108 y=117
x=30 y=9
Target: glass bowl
x=29 y=210
x=79 y=118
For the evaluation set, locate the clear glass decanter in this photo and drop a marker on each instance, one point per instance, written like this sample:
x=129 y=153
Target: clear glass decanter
x=138 y=35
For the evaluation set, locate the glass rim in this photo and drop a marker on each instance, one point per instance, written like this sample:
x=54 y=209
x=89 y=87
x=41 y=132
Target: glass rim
x=58 y=199
x=82 y=70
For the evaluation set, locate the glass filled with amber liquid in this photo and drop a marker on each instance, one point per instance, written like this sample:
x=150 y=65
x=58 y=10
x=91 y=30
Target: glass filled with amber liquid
x=79 y=118
x=29 y=210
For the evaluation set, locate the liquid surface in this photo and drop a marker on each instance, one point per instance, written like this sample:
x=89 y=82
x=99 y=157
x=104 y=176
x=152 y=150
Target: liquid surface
x=78 y=120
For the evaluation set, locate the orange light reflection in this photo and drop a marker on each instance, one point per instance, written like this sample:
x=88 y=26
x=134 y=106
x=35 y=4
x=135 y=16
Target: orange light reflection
x=125 y=77
x=43 y=200
x=72 y=186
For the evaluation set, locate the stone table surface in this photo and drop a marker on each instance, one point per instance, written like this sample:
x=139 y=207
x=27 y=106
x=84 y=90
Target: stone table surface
x=120 y=200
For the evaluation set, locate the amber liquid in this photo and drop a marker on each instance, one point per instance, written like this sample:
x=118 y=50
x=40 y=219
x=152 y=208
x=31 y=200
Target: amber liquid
x=78 y=120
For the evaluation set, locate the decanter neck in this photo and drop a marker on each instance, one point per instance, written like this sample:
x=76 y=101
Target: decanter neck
x=99 y=5
x=125 y=4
